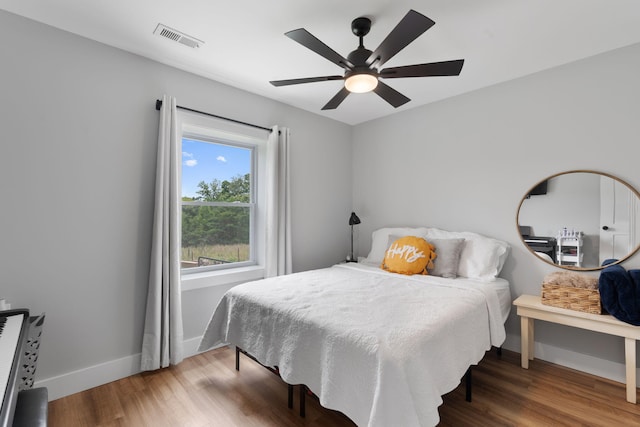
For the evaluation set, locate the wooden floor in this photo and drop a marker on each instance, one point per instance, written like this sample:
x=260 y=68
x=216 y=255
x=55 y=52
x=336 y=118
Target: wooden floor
x=206 y=390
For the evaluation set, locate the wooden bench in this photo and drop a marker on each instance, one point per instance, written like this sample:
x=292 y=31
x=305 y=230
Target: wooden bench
x=530 y=308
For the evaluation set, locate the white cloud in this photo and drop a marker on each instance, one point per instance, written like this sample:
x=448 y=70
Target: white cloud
x=191 y=162
x=185 y=154
x=221 y=159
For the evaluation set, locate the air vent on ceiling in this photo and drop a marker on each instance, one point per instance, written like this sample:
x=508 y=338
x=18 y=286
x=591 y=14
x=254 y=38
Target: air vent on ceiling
x=171 y=34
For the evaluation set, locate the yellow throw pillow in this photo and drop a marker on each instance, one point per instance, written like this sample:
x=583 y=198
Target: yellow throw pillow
x=409 y=255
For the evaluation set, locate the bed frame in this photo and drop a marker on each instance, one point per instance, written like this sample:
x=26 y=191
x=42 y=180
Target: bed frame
x=274 y=370
x=304 y=390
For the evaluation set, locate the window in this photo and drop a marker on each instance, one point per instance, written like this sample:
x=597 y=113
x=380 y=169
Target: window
x=220 y=183
x=217 y=203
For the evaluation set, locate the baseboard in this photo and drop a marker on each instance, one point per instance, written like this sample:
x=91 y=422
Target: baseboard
x=570 y=359
x=93 y=376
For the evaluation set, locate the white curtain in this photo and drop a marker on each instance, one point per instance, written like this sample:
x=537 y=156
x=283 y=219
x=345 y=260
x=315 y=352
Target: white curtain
x=278 y=222
x=163 y=336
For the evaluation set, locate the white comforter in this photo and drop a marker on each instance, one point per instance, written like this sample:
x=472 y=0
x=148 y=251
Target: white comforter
x=380 y=347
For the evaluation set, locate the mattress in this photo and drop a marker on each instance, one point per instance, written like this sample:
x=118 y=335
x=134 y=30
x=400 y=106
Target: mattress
x=380 y=347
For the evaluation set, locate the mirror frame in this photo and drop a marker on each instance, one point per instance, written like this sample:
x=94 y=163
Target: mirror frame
x=569 y=267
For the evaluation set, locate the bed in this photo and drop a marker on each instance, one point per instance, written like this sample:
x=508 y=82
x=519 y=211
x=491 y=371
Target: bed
x=378 y=346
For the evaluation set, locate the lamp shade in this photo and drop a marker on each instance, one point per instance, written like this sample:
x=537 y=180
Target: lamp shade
x=361 y=83
x=353 y=220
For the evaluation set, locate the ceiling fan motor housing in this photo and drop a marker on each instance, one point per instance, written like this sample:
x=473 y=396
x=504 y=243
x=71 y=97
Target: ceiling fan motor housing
x=359 y=57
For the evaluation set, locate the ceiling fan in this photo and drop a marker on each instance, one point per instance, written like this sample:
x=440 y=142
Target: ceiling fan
x=361 y=65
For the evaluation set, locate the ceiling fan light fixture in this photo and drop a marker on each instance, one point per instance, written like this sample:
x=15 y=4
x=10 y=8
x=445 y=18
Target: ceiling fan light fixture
x=361 y=83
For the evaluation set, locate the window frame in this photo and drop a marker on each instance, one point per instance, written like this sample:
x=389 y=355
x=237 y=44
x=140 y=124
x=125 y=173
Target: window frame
x=210 y=130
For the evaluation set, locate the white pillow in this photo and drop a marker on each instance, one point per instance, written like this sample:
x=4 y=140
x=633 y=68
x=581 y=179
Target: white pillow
x=380 y=241
x=482 y=257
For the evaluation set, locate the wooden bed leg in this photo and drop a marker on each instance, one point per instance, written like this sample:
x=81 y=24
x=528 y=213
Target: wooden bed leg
x=303 y=396
x=499 y=352
x=289 y=396
x=237 y=358
x=467 y=380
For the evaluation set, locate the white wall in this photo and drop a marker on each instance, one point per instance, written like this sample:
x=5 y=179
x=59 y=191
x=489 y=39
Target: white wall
x=465 y=163
x=79 y=132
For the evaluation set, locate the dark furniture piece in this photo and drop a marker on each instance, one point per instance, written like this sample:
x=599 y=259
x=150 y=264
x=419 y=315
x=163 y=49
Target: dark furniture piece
x=542 y=244
x=22 y=405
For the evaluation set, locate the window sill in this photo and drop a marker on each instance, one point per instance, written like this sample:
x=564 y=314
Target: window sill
x=221 y=277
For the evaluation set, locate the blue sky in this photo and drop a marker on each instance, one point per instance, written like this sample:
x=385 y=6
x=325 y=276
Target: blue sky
x=202 y=161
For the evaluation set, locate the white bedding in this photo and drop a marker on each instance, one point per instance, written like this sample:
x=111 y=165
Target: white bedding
x=380 y=347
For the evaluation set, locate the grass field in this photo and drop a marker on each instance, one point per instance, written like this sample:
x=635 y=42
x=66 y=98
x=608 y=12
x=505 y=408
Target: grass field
x=226 y=253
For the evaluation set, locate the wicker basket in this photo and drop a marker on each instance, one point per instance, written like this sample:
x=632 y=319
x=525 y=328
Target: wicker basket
x=579 y=299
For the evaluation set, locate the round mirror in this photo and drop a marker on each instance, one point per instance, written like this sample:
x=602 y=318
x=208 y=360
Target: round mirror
x=580 y=220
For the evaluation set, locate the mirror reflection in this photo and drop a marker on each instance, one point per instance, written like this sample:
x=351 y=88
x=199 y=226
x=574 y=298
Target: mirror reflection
x=580 y=219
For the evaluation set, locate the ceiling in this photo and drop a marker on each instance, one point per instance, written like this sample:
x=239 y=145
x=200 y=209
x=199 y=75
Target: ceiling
x=244 y=43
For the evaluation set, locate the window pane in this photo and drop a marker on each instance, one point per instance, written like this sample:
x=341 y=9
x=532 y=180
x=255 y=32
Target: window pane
x=221 y=173
x=213 y=235
x=215 y=172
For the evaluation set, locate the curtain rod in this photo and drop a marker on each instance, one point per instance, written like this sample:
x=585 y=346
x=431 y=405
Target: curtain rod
x=159 y=104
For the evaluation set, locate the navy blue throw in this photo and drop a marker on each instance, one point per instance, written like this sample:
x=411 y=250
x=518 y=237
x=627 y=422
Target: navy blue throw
x=620 y=293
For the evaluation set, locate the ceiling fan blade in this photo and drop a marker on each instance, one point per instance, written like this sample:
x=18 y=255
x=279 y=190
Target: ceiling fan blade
x=408 y=29
x=391 y=95
x=305 y=80
x=336 y=100
x=308 y=40
x=445 y=68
